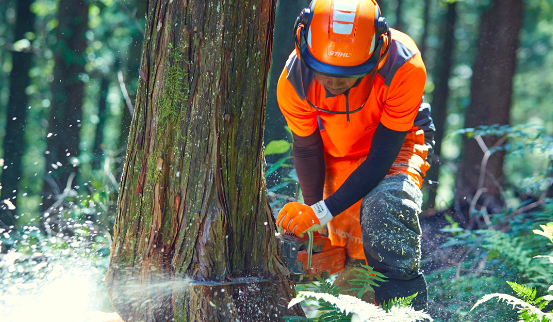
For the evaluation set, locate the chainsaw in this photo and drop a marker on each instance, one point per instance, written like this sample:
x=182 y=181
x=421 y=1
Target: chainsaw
x=309 y=257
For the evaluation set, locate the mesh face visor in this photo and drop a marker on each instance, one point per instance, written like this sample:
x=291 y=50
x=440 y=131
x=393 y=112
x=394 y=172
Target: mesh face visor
x=347 y=112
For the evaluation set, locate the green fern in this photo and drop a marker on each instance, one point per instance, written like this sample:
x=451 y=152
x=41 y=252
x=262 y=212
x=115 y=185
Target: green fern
x=336 y=307
x=519 y=252
x=331 y=313
x=398 y=302
x=343 y=308
x=320 y=286
x=527 y=294
x=366 y=278
x=530 y=308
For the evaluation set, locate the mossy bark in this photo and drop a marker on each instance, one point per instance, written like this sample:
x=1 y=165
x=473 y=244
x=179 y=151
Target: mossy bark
x=194 y=238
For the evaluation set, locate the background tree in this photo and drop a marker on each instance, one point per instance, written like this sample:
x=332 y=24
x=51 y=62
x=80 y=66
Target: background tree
x=68 y=91
x=441 y=92
x=98 y=150
x=425 y=26
x=137 y=14
x=399 y=25
x=192 y=201
x=16 y=112
x=491 y=97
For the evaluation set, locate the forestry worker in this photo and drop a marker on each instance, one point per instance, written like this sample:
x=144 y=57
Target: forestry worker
x=352 y=94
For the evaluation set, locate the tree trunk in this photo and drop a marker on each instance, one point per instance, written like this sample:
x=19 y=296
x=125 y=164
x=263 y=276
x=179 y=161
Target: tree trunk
x=441 y=93
x=425 y=26
x=67 y=97
x=194 y=238
x=97 y=148
x=491 y=92
x=16 y=114
x=286 y=13
x=399 y=14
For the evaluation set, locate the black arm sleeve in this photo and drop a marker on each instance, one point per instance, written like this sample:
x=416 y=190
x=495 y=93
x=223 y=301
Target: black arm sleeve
x=309 y=161
x=385 y=147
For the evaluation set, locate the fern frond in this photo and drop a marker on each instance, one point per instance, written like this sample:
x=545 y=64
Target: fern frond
x=334 y=315
x=511 y=300
x=320 y=286
x=527 y=294
x=366 y=278
x=547 y=231
x=362 y=311
x=398 y=302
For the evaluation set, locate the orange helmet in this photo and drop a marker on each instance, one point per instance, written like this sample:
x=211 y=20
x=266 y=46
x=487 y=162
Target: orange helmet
x=341 y=38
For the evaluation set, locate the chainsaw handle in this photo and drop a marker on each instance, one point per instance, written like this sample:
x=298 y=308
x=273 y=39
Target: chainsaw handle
x=309 y=249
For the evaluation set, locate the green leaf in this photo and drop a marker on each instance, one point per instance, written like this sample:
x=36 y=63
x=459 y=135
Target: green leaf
x=275 y=166
x=277 y=147
x=278 y=186
x=493 y=254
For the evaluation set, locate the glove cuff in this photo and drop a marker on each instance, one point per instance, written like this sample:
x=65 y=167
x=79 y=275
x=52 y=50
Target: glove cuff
x=322 y=212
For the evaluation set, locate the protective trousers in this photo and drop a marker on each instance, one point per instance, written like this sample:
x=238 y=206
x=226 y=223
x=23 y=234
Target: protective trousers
x=383 y=229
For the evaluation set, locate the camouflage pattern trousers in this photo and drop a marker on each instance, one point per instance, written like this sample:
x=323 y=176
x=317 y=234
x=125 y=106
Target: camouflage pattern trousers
x=391 y=241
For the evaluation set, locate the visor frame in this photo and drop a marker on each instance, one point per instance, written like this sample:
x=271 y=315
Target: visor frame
x=358 y=71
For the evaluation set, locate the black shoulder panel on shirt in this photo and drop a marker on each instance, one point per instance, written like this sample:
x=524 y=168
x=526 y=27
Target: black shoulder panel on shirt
x=298 y=72
x=398 y=54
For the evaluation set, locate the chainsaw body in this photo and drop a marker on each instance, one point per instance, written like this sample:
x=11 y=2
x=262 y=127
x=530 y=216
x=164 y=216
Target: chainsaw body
x=326 y=259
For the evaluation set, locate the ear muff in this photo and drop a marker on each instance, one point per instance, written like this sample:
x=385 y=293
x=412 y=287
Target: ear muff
x=382 y=26
x=301 y=25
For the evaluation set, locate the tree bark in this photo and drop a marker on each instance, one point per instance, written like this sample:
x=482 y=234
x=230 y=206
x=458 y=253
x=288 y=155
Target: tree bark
x=491 y=92
x=441 y=93
x=67 y=97
x=194 y=238
x=16 y=114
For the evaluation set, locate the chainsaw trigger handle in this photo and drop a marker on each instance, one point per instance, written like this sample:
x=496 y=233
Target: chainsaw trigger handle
x=309 y=249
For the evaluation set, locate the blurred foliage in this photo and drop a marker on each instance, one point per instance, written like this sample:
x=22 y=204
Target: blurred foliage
x=530 y=307
x=479 y=261
x=113 y=27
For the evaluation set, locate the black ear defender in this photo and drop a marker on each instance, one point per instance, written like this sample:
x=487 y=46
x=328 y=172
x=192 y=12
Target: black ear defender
x=300 y=27
x=382 y=26
x=302 y=19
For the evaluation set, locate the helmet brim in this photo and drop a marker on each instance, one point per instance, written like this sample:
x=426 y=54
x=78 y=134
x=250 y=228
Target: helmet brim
x=358 y=71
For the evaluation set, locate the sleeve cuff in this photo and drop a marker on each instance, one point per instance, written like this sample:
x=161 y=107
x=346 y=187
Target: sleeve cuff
x=322 y=212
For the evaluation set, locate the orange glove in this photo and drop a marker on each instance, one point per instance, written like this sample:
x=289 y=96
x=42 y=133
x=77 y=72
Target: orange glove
x=298 y=218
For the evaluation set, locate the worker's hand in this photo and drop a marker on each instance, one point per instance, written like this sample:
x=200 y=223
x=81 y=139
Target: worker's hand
x=299 y=219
